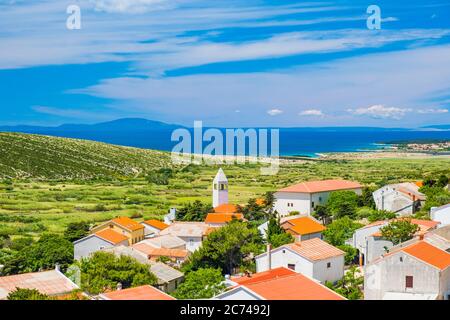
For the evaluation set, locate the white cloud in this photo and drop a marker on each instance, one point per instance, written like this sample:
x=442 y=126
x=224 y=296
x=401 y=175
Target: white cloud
x=311 y=112
x=432 y=111
x=274 y=112
x=381 y=112
x=130 y=6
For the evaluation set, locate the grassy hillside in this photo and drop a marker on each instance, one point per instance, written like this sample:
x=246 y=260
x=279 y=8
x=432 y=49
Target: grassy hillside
x=46 y=158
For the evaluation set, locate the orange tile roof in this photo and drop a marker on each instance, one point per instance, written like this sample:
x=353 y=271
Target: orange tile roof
x=51 y=282
x=303 y=226
x=263 y=276
x=111 y=236
x=260 y=201
x=321 y=186
x=314 y=249
x=430 y=254
x=223 y=217
x=128 y=223
x=156 y=224
x=292 y=287
x=419 y=184
x=160 y=252
x=139 y=293
x=226 y=208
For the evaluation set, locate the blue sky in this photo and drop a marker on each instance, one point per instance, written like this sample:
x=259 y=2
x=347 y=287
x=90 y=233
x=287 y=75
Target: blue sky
x=227 y=63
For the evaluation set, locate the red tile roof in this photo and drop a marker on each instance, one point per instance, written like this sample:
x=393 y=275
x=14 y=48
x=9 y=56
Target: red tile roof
x=139 y=293
x=315 y=249
x=222 y=217
x=111 y=236
x=52 y=283
x=156 y=224
x=285 y=286
x=128 y=223
x=303 y=226
x=430 y=254
x=321 y=186
x=226 y=208
x=263 y=276
x=159 y=252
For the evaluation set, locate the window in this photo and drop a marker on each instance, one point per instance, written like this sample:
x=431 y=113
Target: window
x=409 y=282
x=328 y=265
x=291 y=266
x=312 y=204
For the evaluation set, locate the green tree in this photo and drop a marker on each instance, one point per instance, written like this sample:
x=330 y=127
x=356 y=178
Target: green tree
x=226 y=248
x=340 y=230
x=321 y=213
x=27 y=294
x=160 y=176
x=44 y=254
x=342 y=203
x=203 y=283
x=103 y=271
x=276 y=235
x=366 y=198
x=76 y=231
x=399 y=231
x=269 y=200
x=253 y=212
x=350 y=286
x=195 y=211
x=350 y=253
x=442 y=181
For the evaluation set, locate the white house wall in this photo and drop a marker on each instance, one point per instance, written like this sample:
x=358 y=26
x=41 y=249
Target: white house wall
x=442 y=216
x=85 y=247
x=336 y=271
x=301 y=203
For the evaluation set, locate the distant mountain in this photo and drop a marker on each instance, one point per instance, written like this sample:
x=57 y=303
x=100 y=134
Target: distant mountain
x=440 y=126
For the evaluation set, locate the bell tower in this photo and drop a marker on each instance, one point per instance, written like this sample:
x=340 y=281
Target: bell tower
x=220 y=189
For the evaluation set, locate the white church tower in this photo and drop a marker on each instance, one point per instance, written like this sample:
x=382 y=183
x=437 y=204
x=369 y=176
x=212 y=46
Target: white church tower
x=220 y=189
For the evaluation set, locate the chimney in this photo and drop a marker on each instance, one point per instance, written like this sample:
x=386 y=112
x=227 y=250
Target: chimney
x=119 y=286
x=421 y=236
x=269 y=256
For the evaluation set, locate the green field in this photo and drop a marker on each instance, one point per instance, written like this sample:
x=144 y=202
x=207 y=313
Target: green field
x=49 y=182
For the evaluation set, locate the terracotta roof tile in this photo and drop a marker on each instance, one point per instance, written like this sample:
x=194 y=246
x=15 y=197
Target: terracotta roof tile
x=430 y=254
x=321 y=186
x=159 y=252
x=156 y=224
x=226 y=208
x=128 y=223
x=222 y=217
x=263 y=276
x=303 y=226
x=139 y=293
x=111 y=236
x=315 y=249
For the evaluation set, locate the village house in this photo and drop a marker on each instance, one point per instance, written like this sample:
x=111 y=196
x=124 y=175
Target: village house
x=277 y=284
x=52 y=283
x=145 y=292
x=153 y=227
x=192 y=233
x=176 y=256
x=223 y=214
x=303 y=228
x=133 y=230
x=105 y=238
x=441 y=214
x=419 y=271
x=403 y=199
x=304 y=197
x=168 y=278
x=370 y=243
x=166 y=241
x=314 y=258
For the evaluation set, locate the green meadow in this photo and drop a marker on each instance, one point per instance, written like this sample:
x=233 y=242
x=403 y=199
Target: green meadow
x=59 y=186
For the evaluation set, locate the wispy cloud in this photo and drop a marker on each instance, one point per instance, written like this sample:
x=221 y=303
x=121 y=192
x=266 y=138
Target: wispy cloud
x=274 y=112
x=381 y=112
x=311 y=112
x=432 y=111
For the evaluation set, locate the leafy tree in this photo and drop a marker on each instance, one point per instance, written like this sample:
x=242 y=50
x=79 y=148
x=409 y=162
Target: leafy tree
x=350 y=286
x=366 y=198
x=253 y=212
x=350 y=253
x=442 y=181
x=203 y=283
x=378 y=215
x=27 y=294
x=196 y=211
x=340 y=230
x=399 y=231
x=342 y=203
x=226 y=248
x=269 y=201
x=321 y=213
x=276 y=235
x=44 y=254
x=160 y=176
x=103 y=271
x=76 y=231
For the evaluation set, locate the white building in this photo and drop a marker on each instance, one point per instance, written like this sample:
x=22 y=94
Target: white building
x=314 y=258
x=153 y=227
x=304 y=197
x=441 y=214
x=192 y=233
x=419 y=271
x=220 y=189
x=370 y=243
x=106 y=238
x=401 y=198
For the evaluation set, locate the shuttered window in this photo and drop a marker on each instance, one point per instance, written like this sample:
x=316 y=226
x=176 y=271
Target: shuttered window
x=409 y=281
